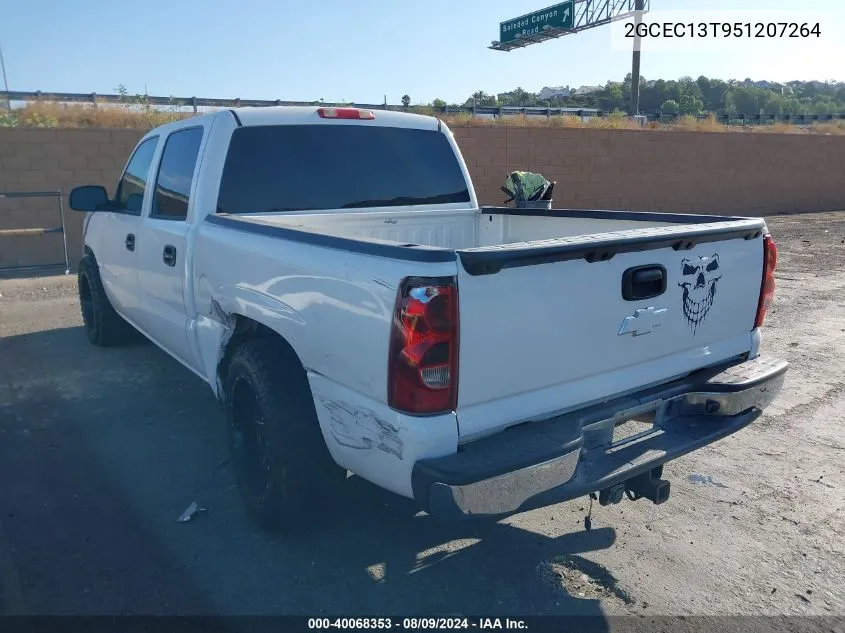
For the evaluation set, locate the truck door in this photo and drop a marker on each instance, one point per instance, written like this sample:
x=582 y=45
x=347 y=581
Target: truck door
x=162 y=258
x=116 y=251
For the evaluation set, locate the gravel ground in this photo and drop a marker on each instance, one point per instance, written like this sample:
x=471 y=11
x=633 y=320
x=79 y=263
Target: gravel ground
x=102 y=449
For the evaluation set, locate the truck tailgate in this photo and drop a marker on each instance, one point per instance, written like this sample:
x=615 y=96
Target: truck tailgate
x=548 y=327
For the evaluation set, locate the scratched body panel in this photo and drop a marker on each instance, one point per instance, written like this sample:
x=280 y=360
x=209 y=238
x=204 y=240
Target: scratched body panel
x=375 y=442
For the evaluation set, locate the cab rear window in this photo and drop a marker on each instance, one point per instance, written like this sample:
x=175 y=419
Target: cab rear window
x=315 y=167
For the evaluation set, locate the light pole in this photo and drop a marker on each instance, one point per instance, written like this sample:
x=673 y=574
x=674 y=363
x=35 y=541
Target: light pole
x=5 y=81
x=635 y=62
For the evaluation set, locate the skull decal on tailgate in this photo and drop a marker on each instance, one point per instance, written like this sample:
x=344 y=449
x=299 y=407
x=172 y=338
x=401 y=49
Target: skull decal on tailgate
x=699 y=280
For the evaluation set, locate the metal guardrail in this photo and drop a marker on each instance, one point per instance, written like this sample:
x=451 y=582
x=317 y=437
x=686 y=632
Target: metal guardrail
x=27 y=232
x=497 y=111
x=202 y=102
x=750 y=119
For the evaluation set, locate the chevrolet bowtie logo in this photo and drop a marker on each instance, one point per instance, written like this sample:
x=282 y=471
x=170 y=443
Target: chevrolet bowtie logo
x=643 y=321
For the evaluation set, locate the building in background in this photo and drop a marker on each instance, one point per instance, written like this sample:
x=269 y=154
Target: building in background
x=585 y=90
x=558 y=92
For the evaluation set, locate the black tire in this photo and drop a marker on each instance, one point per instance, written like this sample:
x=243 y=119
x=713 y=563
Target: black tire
x=283 y=468
x=103 y=326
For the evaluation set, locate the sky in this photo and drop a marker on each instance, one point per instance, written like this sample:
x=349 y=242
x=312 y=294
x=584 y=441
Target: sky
x=364 y=51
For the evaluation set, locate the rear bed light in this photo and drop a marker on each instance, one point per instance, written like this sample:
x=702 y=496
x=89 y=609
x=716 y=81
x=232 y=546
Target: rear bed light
x=423 y=361
x=345 y=113
x=767 y=287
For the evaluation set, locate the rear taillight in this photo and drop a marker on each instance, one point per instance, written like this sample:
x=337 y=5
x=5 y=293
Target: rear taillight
x=346 y=113
x=767 y=288
x=423 y=362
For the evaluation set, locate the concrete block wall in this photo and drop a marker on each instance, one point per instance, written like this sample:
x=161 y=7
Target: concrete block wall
x=723 y=173
x=52 y=160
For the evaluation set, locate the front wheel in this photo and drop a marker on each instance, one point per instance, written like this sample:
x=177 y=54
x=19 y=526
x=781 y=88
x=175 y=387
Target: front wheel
x=280 y=459
x=103 y=326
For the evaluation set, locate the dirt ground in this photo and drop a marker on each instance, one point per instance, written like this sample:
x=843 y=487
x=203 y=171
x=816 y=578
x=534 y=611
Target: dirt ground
x=102 y=449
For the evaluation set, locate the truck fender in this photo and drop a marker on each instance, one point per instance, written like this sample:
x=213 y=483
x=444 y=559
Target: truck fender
x=229 y=311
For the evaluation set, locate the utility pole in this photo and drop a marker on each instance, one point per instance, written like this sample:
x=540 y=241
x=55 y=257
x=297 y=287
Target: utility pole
x=5 y=81
x=635 y=62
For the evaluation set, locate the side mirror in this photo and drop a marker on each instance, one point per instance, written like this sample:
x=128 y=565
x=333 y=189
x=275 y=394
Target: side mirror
x=88 y=198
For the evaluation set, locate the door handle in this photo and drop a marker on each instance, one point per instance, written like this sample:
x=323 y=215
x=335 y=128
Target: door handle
x=169 y=255
x=643 y=282
x=130 y=242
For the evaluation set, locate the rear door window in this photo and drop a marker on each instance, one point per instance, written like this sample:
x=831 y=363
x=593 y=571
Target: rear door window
x=176 y=173
x=311 y=167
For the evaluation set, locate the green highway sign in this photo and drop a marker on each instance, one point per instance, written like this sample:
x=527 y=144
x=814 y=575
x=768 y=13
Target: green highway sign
x=560 y=16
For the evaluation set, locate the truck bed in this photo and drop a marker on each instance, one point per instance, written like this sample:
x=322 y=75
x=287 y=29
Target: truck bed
x=491 y=238
x=494 y=227
x=554 y=282
x=459 y=229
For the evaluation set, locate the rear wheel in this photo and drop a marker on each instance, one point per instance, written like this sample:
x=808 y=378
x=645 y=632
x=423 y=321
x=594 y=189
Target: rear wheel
x=283 y=468
x=103 y=326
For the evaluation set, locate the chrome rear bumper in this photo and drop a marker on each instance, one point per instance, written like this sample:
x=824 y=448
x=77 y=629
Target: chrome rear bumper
x=549 y=461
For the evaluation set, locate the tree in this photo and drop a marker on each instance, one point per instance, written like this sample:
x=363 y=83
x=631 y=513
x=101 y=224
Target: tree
x=610 y=97
x=712 y=93
x=791 y=105
x=481 y=98
x=438 y=103
x=824 y=105
x=689 y=87
x=690 y=104
x=406 y=101
x=519 y=97
x=670 y=107
x=629 y=79
x=705 y=87
x=653 y=95
x=745 y=100
x=692 y=96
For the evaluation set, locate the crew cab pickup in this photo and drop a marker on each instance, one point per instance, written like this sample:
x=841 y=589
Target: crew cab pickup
x=331 y=276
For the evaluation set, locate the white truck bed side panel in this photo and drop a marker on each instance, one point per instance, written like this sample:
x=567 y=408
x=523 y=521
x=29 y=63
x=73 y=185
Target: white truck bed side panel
x=334 y=307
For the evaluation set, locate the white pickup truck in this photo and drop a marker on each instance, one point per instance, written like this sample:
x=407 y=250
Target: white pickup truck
x=329 y=273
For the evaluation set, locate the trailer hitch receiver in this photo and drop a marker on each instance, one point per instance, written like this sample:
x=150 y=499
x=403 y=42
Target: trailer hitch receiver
x=649 y=486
